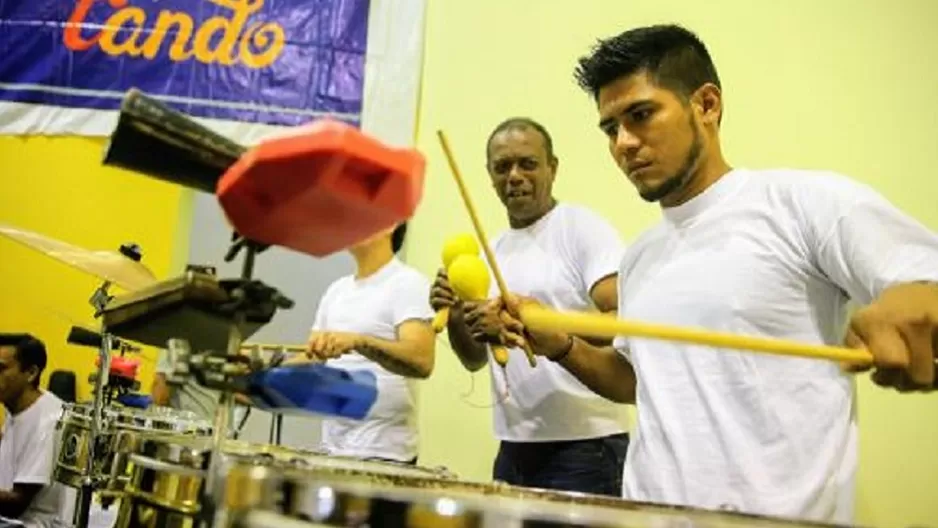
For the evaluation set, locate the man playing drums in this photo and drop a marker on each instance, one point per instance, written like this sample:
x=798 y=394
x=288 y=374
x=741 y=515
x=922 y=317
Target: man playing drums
x=775 y=253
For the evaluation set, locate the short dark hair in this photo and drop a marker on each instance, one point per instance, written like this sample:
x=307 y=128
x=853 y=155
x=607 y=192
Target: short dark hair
x=673 y=56
x=30 y=351
x=521 y=123
x=397 y=237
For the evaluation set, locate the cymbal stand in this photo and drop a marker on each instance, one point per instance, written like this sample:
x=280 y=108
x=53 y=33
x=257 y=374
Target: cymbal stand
x=89 y=483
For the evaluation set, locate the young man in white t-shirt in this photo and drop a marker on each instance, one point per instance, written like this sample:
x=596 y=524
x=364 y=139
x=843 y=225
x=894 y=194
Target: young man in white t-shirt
x=775 y=253
x=378 y=320
x=555 y=433
x=28 y=448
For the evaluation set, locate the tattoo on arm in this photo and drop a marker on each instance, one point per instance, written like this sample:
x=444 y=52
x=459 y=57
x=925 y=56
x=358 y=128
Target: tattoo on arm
x=386 y=360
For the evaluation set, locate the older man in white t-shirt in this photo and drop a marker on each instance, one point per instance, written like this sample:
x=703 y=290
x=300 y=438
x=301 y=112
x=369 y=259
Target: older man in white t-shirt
x=775 y=253
x=555 y=432
x=28 y=448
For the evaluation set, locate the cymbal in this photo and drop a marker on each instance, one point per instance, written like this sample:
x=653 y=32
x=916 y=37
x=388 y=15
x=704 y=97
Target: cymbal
x=111 y=266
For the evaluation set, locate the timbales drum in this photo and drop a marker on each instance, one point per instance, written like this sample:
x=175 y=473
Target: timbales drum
x=166 y=485
x=121 y=428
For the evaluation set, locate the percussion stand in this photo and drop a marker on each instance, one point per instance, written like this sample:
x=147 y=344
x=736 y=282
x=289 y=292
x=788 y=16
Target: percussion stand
x=276 y=426
x=86 y=493
x=217 y=372
x=276 y=419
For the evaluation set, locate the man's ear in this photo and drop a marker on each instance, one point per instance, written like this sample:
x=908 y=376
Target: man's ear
x=708 y=100
x=554 y=165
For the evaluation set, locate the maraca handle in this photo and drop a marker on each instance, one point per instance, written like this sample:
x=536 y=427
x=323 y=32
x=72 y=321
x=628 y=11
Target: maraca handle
x=440 y=320
x=500 y=355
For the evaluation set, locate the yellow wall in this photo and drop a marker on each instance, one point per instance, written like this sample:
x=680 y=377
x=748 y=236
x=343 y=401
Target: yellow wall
x=843 y=85
x=57 y=187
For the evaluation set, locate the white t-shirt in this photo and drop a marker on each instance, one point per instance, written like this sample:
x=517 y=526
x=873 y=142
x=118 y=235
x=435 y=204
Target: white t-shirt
x=557 y=260
x=775 y=253
x=376 y=306
x=27 y=456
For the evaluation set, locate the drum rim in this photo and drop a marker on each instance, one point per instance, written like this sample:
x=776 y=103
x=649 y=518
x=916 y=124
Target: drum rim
x=174 y=420
x=155 y=464
x=435 y=489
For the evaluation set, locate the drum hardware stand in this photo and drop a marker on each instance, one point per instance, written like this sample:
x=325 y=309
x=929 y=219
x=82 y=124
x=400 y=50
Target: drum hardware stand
x=218 y=370
x=236 y=434
x=89 y=484
x=276 y=419
x=276 y=426
x=99 y=300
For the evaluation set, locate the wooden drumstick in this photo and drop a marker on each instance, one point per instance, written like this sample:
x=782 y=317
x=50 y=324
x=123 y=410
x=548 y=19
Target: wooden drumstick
x=608 y=326
x=296 y=349
x=483 y=240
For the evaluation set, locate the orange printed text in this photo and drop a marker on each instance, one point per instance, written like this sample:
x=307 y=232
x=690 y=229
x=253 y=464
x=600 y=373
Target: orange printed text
x=226 y=40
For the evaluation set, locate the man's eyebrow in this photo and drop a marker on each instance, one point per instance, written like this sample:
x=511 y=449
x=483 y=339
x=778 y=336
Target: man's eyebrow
x=630 y=108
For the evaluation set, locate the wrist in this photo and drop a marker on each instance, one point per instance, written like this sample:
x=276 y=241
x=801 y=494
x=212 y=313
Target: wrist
x=563 y=352
x=456 y=310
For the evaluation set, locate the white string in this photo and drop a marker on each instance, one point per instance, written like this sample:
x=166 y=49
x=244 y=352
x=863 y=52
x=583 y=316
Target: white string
x=502 y=397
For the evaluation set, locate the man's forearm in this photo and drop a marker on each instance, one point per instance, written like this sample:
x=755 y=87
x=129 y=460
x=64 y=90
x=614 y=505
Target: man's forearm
x=602 y=369
x=471 y=353
x=396 y=357
x=13 y=503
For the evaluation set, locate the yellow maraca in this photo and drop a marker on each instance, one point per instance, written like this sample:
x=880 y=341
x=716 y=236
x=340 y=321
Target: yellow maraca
x=471 y=281
x=462 y=244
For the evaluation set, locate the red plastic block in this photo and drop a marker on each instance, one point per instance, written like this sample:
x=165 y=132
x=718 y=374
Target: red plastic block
x=322 y=190
x=122 y=366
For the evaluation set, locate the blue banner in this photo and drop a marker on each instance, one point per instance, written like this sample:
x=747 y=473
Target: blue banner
x=278 y=62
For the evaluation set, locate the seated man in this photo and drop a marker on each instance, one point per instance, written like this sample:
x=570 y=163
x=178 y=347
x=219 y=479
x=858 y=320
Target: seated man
x=28 y=449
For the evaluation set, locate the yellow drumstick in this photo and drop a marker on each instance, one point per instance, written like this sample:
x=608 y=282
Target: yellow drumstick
x=607 y=326
x=489 y=256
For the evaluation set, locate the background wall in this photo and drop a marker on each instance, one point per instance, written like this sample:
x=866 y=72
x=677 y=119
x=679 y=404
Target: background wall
x=57 y=187
x=840 y=84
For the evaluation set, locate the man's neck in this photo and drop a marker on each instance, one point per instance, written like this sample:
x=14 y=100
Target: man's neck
x=519 y=223
x=370 y=261
x=709 y=172
x=25 y=400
